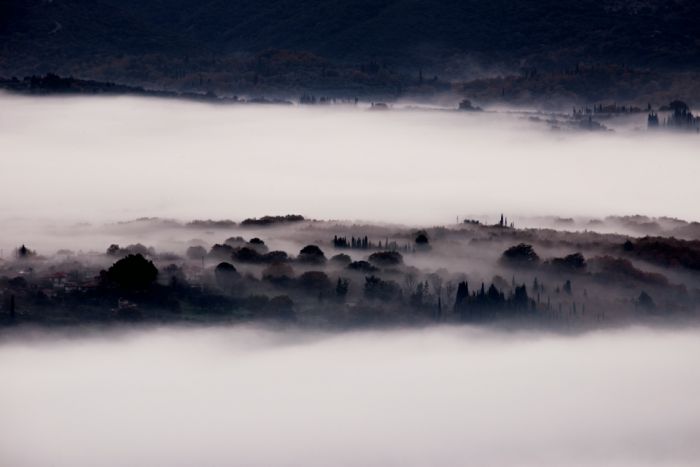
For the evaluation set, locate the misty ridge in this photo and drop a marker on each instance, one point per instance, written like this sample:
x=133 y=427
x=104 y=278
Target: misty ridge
x=411 y=172
x=338 y=275
x=545 y=52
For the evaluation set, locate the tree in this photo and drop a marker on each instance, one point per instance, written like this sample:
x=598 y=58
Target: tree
x=173 y=275
x=278 y=273
x=422 y=240
x=645 y=302
x=226 y=275
x=462 y=297
x=133 y=272
x=113 y=250
x=315 y=281
x=386 y=258
x=449 y=289
x=362 y=266
x=11 y=306
x=341 y=259
x=521 y=301
x=281 y=307
x=520 y=255
x=376 y=288
x=23 y=252
x=235 y=242
x=246 y=255
x=567 y=287
x=341 y=288
x=196 y=252
x=139 y=249
x=221 y=252
x=276 y=256
x=436 y=284
x=311 y=254
x=417 y=295
x=258 y=245
x=573 y=263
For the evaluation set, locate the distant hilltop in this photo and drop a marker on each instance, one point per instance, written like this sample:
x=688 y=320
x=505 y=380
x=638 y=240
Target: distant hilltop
x=363 y=48
x=52 y=84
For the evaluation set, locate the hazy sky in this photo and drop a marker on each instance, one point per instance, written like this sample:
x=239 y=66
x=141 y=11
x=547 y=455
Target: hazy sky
x=443 y=396
x=120 y=158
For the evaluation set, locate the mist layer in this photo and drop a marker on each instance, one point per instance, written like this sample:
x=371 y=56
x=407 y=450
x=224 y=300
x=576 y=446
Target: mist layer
x=443 y=396
x=117 y=158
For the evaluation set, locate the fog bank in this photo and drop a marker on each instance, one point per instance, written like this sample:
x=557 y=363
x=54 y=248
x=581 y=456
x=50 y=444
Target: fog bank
x=97 y=159
x=442 y=396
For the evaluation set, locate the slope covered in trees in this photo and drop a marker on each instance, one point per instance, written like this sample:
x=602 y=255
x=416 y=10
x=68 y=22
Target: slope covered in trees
x=180 y=35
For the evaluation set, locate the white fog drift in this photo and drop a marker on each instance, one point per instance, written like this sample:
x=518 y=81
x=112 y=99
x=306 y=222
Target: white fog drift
x=443 y=396
x=80 y=172
x=98 y=159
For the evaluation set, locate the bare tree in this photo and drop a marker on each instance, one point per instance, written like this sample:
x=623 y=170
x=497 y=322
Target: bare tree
x=409 y=282
x=436 y=284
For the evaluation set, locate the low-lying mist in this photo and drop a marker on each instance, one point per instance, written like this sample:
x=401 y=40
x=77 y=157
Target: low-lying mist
x=104 y=159
x=437 y=396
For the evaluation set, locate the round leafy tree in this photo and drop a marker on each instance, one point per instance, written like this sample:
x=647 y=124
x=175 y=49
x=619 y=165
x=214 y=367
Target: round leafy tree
x=226 y=275
x=520 y=255
x=386 y=258
x=133 y=272
x=422 y=242
x=311 y=254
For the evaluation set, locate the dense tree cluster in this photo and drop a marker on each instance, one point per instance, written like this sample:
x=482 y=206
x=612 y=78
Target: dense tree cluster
x=272 y=220
x=520 y=255
x=133 y=272
x=487 y=304
x=241 y=279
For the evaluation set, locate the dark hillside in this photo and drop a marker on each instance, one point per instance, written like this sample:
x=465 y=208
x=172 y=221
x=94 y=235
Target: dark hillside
x=158 y=42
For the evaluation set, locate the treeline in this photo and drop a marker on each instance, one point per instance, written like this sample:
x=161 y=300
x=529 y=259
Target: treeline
x=363 y=243
x=52 y=84
x=245 y=279
x=271 y=220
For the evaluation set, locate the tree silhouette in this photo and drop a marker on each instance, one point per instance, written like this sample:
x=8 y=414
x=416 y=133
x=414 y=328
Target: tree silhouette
x=386 y=258
x=23 y=252
x=376 y=288
x=133 y=272
x=315 y=281
x=645 y=302
x=226 y=275
x=422 y=239
x=567 y=287
x=574 y=262
x=520 y=255
x=13 y=313
x=311 y=254
x=341 y=259
x=196 y=252
x=341 y=288
x=362 y=266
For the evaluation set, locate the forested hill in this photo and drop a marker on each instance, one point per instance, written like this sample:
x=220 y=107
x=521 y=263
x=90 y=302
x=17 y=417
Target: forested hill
x=638 y=32
x=243 y=45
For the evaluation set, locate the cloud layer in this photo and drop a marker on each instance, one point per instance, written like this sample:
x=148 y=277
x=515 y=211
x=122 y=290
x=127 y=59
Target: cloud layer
x=441 y=396
x=119 y=158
